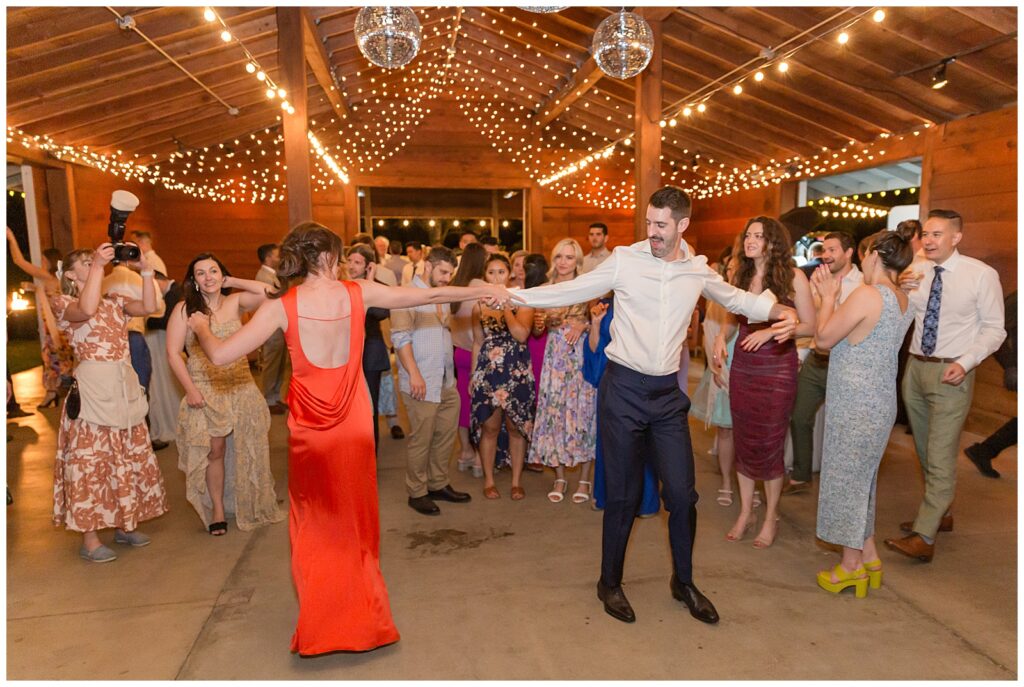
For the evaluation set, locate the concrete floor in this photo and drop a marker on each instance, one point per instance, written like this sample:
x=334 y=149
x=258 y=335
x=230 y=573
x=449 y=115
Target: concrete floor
x=504 y=590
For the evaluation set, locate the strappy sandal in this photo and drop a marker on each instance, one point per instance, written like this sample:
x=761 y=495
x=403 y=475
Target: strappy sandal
x=518 y=493
x=724 y=497
x=218 y=529
x=583 y=496
x=492 y=492
x=556 y=495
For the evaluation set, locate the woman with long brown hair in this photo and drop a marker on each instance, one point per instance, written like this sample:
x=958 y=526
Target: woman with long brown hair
x=762 y=379
x=469 y=273
x=332 y=476
x=223 y=420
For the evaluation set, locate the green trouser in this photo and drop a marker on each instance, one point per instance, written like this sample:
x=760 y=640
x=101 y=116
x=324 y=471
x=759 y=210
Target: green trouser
x=810 y=394
x=937 y=412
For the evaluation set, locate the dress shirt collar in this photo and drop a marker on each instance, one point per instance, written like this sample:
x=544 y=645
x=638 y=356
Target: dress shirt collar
x=418 y=282
x=269 y=269
x=951 y=262
x=644 y=247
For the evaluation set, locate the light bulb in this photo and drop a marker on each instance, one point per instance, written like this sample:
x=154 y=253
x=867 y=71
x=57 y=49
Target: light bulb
x=783 y=67
x=702 y=107
x=261 y=76
x=284 y=105
x=759 y=76
x=671 y=122
x=737 y=89
x=879 y=15
x=432 y=223
x=250 y=67
x=225 y=36
x=843 y=38
x=271 y=93
x=281 y=93
x=687 y=112
x=455 y=223
x=208 y=14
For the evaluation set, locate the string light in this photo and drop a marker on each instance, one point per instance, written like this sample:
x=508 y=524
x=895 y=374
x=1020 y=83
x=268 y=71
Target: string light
x=879 y=16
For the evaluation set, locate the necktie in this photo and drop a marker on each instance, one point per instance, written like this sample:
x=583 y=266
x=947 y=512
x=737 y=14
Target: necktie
x=930 y=335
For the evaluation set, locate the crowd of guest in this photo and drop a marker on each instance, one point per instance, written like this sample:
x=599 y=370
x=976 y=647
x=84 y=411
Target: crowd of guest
x=489 y=386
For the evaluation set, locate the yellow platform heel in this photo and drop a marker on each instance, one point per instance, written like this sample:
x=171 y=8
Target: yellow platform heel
x=858 y=579
x=874 y=571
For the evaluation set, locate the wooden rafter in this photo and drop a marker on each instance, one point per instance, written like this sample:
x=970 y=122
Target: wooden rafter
x=316 y=57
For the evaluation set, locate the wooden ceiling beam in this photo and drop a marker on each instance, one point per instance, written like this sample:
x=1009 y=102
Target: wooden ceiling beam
x=49 y=30
x=582 y=81
x=319 y=63
x=1000 y=19
x=346 y=40
x=185 y=23
x=534 y=27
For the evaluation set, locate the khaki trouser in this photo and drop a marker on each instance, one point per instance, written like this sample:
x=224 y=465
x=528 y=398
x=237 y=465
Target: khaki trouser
x=810 y=394
x=937 y=412
x=433 y=428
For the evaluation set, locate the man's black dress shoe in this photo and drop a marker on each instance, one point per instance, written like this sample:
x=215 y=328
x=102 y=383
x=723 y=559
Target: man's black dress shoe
x=160 y=445
x=446 y=493
x=982 y=461
x=424 y=505
x=700 y=606
x=615 y=602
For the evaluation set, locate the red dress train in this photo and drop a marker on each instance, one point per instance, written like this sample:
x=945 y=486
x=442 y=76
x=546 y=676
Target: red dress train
x=332 y=486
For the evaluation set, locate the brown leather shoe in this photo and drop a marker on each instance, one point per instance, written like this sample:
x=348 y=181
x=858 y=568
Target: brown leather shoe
x=945 y=525
x=913 y=546
x=796 y=487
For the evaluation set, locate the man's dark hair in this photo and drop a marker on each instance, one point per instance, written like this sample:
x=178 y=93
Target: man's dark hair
x=142 y=235
x=952 y=215
x=488 y=240
x=415 y=245
x=600 y=225
x=913 y=225
x=673 y=198
x=844 y=238
x=395 y=247
x=467 y=231
x=362 y=237
x=438 y=254
x=264 y=251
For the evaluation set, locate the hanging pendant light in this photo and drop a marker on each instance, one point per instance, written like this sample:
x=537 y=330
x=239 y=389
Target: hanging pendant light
x=623 y=45
x=388 y=37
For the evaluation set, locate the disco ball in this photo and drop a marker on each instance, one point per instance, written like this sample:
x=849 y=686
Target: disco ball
x=389 y=37
x=623 y=45
x=544 y=10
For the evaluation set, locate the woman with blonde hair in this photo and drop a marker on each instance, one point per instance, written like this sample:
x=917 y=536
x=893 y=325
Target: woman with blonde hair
x=106 y=474
x=518 y=262
x=565 y=431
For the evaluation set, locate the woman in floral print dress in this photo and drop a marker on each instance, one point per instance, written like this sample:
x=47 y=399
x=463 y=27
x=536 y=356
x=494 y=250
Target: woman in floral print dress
x=501 y=386
x=565 y=430
x=106 y=474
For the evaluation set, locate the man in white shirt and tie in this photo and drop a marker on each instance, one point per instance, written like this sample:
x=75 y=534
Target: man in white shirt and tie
x=657 y=283
x=414 y=251
x=958 y=322
x=837 y=253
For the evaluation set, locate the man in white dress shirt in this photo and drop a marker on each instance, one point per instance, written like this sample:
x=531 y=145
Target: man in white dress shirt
x=958 y=322
x=414 y=251
x=837 y=253
x=657 y=283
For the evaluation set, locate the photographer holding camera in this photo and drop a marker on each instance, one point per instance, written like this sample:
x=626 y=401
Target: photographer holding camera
x=126 y=282
x=105 y=473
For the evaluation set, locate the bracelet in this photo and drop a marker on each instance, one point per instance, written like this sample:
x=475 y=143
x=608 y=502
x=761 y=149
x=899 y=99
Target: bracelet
x=147 y=273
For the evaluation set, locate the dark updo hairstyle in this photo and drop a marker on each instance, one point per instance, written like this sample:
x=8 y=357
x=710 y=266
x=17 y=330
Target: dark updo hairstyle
x=535 y=267
x=301 y=250
x=893 y=247
x=194 y=301
x=471 y=266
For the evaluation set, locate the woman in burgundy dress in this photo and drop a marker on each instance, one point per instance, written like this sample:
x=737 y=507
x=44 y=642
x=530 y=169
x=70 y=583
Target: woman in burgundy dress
x=762 y=380
x=332 y=476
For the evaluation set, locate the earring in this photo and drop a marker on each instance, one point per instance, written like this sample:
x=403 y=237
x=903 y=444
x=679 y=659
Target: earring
x=197 y=287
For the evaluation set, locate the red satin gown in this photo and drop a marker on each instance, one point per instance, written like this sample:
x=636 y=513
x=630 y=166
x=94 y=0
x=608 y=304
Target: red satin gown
x=332 y=485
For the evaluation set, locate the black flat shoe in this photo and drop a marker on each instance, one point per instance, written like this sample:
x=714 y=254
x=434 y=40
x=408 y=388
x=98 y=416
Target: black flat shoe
x=448 y=494
x=984 y=463
x=615 y=603
x=218 y=529
x=424 y=505
x=160 y=445
x=700 y=606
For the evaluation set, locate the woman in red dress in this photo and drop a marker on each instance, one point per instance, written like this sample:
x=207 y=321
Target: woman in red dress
x=332 y=476
x=762 y=380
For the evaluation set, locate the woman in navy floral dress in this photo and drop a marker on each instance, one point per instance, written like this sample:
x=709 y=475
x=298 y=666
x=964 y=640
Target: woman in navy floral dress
x=502 y=385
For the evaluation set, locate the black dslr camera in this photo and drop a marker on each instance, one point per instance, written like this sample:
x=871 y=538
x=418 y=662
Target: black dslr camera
x=122 y=204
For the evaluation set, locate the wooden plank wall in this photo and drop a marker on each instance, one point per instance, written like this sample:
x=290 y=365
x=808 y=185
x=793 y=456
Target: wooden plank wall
x=554 y=217
x=716 y=222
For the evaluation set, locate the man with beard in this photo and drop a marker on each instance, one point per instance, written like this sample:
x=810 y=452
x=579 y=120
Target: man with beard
x=657 y=283
x=811 y=383
x=426 y=378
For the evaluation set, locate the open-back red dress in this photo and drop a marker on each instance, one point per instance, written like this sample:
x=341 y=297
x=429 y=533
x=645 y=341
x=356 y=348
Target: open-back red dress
x=332 y=485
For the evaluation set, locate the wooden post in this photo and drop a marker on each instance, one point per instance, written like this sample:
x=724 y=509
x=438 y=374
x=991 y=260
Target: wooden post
x=351 y=195
x=647 y=136
x=292 y=66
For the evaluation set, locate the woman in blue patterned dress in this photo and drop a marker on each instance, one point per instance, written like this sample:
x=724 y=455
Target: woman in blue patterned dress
x=865 y=334
x=502 y=382
x=565 y=432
